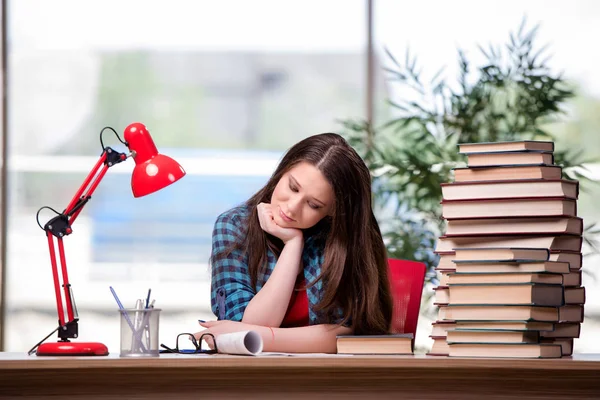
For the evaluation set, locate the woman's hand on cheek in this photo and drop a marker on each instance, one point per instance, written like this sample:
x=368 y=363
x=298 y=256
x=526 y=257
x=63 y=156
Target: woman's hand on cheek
x=268 y=224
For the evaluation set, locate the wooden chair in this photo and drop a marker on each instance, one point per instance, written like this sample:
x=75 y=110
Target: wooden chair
x=406 y=282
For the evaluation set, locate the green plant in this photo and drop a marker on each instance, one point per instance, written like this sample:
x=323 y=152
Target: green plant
x=514 y=95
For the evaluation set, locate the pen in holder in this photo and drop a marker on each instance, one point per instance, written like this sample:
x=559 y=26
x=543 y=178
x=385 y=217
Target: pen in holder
x=136 y=343
x=139 y=336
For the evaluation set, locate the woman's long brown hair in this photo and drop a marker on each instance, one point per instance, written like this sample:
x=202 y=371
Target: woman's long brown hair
x=355 y=270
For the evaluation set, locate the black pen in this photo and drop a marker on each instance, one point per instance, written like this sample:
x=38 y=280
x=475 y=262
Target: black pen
x=148 y=298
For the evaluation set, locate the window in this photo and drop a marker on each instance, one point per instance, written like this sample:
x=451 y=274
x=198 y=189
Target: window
x=224 y=87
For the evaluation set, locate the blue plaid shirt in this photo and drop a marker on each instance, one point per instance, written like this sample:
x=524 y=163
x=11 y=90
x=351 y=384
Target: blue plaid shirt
x=231 y=289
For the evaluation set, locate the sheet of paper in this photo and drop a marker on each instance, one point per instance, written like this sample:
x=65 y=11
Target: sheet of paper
x=246 y=342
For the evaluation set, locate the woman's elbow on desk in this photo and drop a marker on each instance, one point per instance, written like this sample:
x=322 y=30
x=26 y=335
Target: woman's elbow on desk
x=308 y=339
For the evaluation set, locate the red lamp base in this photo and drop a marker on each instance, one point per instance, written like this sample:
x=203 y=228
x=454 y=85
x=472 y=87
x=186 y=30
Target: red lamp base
x=72 y=349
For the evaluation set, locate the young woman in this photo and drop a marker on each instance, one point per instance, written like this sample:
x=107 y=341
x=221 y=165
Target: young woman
x=303 y=260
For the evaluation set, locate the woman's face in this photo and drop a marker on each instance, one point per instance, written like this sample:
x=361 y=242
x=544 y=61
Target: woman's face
x=302 y=197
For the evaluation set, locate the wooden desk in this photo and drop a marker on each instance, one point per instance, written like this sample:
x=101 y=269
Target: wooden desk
x=186 y=377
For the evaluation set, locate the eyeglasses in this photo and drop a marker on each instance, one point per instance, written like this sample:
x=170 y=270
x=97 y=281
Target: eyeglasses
x=196 y=343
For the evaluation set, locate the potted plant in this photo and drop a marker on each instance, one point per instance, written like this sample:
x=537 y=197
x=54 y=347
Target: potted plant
x=513 y=95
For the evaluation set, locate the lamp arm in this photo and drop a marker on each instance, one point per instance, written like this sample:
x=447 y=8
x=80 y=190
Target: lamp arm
x=59 y=227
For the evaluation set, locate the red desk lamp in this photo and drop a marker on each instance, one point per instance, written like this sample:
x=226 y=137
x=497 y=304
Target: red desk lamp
x=152 y=172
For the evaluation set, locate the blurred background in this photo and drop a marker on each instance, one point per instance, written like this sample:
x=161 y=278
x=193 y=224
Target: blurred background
x=225 y=88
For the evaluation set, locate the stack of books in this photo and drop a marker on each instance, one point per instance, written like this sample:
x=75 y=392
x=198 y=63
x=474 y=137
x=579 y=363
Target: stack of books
x=510 y=257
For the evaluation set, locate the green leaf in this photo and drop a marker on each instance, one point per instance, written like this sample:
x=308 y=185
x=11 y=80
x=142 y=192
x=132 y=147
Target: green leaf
x=512 y=95
x=391 y=57
x=437 y=75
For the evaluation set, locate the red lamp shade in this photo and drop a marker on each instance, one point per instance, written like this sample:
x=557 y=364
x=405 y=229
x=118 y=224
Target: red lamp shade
x=153 y=171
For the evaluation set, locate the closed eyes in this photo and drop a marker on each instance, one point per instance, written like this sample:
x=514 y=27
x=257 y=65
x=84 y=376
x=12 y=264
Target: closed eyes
x=312 y=205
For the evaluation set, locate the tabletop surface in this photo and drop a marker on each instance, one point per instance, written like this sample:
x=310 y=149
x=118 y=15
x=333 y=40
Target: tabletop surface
x=16 y=361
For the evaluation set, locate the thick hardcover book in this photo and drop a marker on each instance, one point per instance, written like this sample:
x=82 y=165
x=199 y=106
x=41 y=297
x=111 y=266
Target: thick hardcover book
x=443 y=277
x=574 y=295
x=507 y=312
x=571 y=313
x=574 y=258
x=439 y=347
x=505 y=325
x=556 y=263
x=502 y=312
x=507 y=172
x=441 y=328
x=505 y=350
x=446 y=262
x=515 y=226
x=501 y=253
x=492 y=336
x=507 y=189
x=509 y=208
x=529 y=157
x=375 y=344
x=501 y=278
x=572 y=278
x=562 y=243
x=537 y=294
x=520 y=145
x=441 y=295
x=503 y=266
x=563 y=330
x=566 y=344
